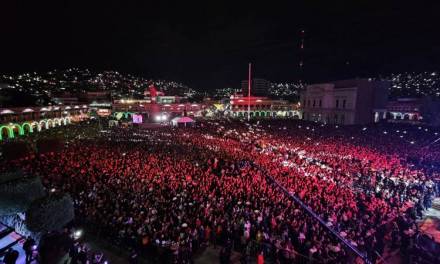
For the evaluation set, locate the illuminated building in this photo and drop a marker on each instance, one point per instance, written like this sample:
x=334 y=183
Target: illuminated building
x=348 y=102
x=262 y=107
x=19 y=114
x=24 y=120
x=149 y=110
x=413 y=110
x=65 y=99
x=97 y=97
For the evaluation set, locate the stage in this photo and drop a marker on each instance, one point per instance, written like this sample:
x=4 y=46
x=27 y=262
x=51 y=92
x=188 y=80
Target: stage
x=14 y=241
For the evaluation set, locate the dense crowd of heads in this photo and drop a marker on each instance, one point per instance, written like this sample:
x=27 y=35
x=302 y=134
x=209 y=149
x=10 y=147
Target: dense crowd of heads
x=168 y=192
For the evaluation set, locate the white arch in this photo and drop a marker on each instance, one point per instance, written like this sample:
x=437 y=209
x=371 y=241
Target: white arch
x=45 y=122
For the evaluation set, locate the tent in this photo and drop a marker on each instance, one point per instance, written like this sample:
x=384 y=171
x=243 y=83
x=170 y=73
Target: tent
x=182 y=121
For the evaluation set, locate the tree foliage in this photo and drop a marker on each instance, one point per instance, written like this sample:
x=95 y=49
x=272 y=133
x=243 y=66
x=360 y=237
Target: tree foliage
x=50 y=213
x=17 y=194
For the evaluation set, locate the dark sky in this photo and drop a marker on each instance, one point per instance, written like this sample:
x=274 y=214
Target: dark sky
x=208 y=44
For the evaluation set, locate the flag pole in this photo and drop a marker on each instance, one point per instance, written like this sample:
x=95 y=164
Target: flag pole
x=249 y=92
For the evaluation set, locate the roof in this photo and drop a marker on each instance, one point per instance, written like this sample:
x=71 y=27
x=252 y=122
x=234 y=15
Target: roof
x=183 y=119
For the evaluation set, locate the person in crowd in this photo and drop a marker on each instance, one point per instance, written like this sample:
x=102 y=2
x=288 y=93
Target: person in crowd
x=245 y=187
x=28 y=247
x=11 y=256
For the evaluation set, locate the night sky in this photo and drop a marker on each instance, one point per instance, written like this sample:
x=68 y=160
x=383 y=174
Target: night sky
x=208 y=45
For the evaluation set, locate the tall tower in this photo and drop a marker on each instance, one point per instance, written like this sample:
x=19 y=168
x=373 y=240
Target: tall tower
x=301 y=56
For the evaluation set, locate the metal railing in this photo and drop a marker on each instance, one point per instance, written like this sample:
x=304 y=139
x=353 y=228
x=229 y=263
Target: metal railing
x=315 y=216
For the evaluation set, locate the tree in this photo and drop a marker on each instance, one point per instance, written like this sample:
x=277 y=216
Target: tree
x=17 y=192
x=50 y=213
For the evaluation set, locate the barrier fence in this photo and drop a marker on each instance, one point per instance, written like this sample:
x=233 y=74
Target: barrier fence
x=347 y=244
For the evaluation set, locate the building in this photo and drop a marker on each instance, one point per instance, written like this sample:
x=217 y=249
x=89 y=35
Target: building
x=150 y=110
x=347 y=102
x=404 y=109
x=20 y=121
x=21 y=114
x=168 y=99
x=95 y=97
x=260 y=87
x=65 y=99
x=262 y=107
x=413 y=110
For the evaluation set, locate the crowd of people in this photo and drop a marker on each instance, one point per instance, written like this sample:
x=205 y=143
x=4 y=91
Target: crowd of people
x=166 y=193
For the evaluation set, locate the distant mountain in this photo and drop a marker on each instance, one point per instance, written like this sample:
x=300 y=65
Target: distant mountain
x=38 y=88
x=43 y=86
x=410 y=84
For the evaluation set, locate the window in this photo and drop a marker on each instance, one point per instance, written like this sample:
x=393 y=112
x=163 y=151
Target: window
x=308 y=103
x=343 y=103
x=314 y=103
x=337 y=103
x=320 y=103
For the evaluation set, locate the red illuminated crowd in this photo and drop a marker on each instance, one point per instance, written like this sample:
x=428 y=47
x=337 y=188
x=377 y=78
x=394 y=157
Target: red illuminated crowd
x=167 y=193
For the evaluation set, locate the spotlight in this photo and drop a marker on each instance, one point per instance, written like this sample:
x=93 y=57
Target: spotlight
x=77 y=234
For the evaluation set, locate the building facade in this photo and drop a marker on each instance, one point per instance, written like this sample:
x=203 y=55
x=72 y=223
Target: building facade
x=65 y=99
x=21 y=114
x=347 y=102
x=20 y=121
x=95 y=97
x=262 y=107
x=414 y=110
x=150 y=110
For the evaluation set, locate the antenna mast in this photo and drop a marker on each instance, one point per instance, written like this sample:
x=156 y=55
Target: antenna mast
x=301 y=61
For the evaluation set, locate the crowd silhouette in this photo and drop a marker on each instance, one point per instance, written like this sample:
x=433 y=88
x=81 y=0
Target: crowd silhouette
x=166 y=193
